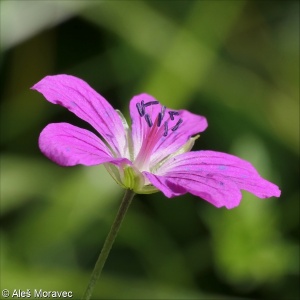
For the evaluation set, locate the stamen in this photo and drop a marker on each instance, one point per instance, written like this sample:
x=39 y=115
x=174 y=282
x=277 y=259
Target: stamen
x=173 y=113
x=161 y=115
x=143 y=107
x=177 y=125
x=163 y=109
x=140 y=109
x=148 y=120
x=150 y=103
x=166 y=128
x=159 y=119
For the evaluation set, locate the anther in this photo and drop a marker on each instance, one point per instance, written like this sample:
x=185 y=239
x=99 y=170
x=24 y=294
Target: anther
x=140 y=109
x=159 y=119
x=143 y=107
x=173 y=113
x=148 y=120
x=161 y=115
x=177 y=125
x=150 y=103
x=166 y=128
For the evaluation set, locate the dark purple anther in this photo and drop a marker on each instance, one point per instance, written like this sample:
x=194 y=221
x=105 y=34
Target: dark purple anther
x=166 y=128
x=140 y=109
x=161 y=115
x=172 y=114
x=177 y=125
x=148 y=120
x=150 y=103
x=159 y=119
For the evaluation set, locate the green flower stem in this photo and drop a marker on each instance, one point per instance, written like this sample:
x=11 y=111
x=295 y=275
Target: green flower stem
x=129 y=194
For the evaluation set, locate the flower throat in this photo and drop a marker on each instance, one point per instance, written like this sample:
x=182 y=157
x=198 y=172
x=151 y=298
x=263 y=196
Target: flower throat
x=156 y=126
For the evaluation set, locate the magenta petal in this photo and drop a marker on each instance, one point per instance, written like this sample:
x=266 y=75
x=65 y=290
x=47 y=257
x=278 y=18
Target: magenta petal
x=216 y=177
x=219 y=194
x=68 y=145
x=78 y=97
x=168 y=187
x=152 y=137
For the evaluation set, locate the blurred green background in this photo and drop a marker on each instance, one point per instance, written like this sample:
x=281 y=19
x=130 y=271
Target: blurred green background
x=235 y=62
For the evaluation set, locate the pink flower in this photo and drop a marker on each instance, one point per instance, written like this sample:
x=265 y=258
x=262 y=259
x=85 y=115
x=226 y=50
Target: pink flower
x=150 y=155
